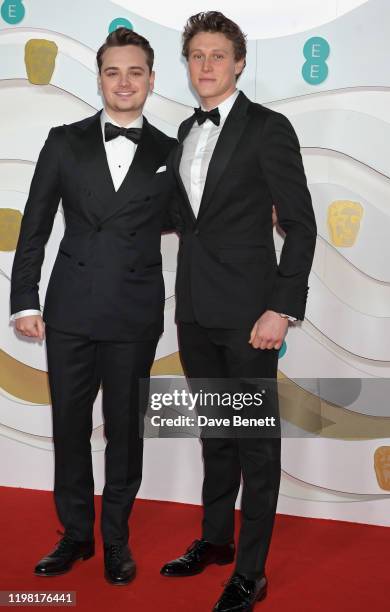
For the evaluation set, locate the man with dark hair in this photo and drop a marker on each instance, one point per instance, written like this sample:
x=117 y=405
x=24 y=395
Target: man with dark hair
x=236 y=159
x=104 y=305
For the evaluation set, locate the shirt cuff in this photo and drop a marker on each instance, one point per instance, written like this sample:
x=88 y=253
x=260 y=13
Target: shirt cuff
x=24 y=313
x=289 y=317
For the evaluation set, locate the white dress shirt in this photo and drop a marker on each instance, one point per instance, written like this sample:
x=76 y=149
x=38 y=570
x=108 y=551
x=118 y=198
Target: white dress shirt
x=120 y=152
x=198 y=148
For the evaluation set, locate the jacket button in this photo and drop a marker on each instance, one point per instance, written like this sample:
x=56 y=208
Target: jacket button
x=196 y=232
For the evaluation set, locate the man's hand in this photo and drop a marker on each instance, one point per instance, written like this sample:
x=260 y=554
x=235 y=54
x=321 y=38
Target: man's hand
x=269 y=331
x=31 y=326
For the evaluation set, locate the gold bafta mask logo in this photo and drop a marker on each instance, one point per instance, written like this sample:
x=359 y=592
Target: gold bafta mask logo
x=10 y=221
x=344 y=218
x=382 y=467
x=39 y=57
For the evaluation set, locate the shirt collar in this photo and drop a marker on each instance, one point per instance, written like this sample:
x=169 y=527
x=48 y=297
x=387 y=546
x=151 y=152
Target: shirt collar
x=226 y=106
x=105 y=117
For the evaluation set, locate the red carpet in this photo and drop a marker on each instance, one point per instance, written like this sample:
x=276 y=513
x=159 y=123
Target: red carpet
x=314 y=565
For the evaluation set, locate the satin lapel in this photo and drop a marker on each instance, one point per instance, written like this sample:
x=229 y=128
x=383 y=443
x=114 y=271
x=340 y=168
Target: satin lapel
x=231 y=133
x=94 y=171
x=183 y=132
x=176 y=167
x=145 y=162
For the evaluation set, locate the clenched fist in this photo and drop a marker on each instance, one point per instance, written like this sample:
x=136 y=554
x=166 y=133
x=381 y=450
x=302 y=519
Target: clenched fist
x=31 y=326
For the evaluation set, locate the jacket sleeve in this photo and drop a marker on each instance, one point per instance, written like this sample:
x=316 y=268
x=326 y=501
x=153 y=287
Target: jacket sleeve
x=281 y=162
x=36 y=226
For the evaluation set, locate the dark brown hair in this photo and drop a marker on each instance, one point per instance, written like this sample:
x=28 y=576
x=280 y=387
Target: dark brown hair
x=214 y=21
x=122 y=37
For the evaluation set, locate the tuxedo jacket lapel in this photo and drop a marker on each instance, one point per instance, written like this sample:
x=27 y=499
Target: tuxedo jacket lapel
x=95 y=175
x=138 y=177
x=176 y=165
x=183 y=132
x=231 y=133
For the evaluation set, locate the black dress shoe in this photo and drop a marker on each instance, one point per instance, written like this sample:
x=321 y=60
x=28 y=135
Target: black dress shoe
x=61 y=559
x=118 y=564
x=200 y=554
x=241 y=594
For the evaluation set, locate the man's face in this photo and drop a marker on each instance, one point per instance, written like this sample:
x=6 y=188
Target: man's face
x=212 y=67
x=125 y=79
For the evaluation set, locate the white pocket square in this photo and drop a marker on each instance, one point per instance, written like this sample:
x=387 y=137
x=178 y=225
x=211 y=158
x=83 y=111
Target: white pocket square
x=161 y=169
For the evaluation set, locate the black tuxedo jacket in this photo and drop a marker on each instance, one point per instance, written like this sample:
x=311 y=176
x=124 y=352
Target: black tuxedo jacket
x=107 y=279
x=227 y=269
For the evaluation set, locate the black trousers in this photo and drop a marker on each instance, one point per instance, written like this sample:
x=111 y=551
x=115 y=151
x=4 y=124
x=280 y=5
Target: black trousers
x=223 y=353
x=77 y=366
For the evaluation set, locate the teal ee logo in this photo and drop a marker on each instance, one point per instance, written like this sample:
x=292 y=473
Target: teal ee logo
x=120 y=22
x=316 y=52
x=12 y=11
x=282 y=349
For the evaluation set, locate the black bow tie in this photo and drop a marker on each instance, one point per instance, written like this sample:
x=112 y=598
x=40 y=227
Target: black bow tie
x=111 y=131
x=213 y=115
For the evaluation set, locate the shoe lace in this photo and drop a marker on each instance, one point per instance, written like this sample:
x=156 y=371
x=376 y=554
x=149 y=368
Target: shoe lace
x=234 y=581
x=64 y=545
x=195 y=549
x=114 y=553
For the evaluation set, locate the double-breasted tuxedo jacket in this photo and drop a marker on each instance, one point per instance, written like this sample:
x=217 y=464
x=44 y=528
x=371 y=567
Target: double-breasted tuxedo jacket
x=107 y=279
x=103 y=309
x=227 y=268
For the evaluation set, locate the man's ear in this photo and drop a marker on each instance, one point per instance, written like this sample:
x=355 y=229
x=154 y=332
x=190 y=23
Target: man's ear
x=151 y=81
x=239 y=66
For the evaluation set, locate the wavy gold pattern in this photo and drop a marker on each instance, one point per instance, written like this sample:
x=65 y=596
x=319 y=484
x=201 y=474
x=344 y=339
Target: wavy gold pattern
x=169 y=365
x=31 y=384
x=22 y=381
x=298 y=407
x=312 y=414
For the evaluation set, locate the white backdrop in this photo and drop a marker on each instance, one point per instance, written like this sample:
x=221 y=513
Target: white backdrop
x=343 y=123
